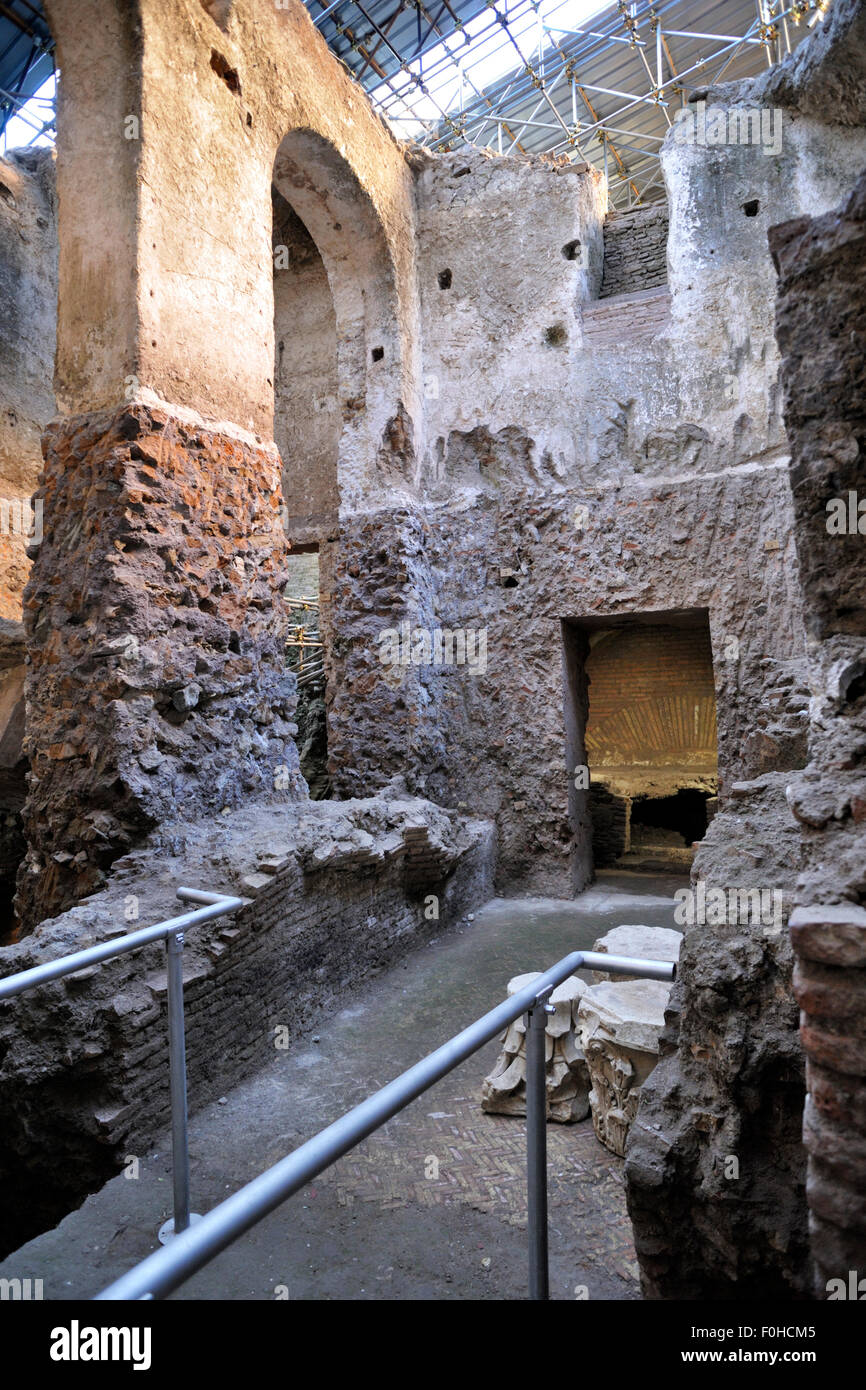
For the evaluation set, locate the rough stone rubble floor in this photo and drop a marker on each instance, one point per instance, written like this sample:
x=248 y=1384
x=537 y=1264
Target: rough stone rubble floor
x=376 y=1226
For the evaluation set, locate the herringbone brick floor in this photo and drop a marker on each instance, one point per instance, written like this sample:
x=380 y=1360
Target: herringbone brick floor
x=465 y=1156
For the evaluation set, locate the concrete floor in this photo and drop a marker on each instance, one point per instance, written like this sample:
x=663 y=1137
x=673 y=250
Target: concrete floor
x=377 y=1225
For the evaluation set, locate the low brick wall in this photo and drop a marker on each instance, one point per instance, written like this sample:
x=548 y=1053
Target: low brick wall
x=619 y=322
x=84 y=1078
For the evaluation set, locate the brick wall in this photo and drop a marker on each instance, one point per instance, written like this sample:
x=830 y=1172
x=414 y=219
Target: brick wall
x=84 y=1060
x=610 y=323
x=651 y=697
x=635 y=250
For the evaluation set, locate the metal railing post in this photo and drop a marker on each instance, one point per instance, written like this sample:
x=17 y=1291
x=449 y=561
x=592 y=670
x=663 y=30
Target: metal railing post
x=536 y=1147
x=177 y=1063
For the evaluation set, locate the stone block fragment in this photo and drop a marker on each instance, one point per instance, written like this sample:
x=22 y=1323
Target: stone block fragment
x=619 y=1025
x=504 y=1091
x=645 y=943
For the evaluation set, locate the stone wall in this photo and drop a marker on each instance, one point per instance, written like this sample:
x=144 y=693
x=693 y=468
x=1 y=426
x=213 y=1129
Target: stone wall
x=157 y=683
x=821 y=330
x=561 y=479
x=715 y=1166
x=335 y=893
x=635 y=250
x=515 y=455
x=13 y=766
x=154 y=612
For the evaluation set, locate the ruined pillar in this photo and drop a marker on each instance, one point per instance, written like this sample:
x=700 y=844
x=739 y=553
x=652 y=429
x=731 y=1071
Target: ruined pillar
x=821 y=331
x=156 y=685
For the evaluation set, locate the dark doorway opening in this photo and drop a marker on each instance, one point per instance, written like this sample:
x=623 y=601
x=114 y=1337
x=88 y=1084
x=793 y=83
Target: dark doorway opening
x=677 y=820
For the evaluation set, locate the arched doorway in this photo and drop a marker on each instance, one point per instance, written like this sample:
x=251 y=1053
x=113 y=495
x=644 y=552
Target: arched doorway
x=336 y=386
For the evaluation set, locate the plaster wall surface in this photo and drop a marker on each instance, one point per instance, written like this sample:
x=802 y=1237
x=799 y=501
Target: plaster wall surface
x=28 y=291
x=205 y=245
x=307 y=415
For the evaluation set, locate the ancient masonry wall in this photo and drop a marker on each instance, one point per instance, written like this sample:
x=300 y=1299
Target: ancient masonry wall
x=13 y=764
x=502 y=470
x=155 y=624
x=715 y=1167
x=335 y=893
x=154 y=627
x=635 y=250
x=28 y=293
x=561 y=481
x=821 y=330
x=564 y=480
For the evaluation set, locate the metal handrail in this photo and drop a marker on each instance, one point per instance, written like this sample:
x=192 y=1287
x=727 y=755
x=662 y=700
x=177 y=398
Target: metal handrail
x=166 y=1269
x=172 y=932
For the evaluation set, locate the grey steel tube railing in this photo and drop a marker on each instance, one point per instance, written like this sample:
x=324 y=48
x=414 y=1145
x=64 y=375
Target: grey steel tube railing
x=166 y=1269
x=172 y=932
x=536 y=1148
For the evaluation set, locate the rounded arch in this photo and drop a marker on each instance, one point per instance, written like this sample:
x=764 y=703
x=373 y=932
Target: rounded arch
x=327 y=196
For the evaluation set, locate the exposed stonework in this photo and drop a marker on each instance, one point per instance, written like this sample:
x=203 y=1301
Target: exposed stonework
x=13 y=765
x=157 y=684
x=731 y=1039
x=503 y=1092
x=511 y=461
x=337 y=892
x=563 y=482
x=821 y=329
x=619 y=1024
x=513 y=567
x=635 y=250
x=704 y=1229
